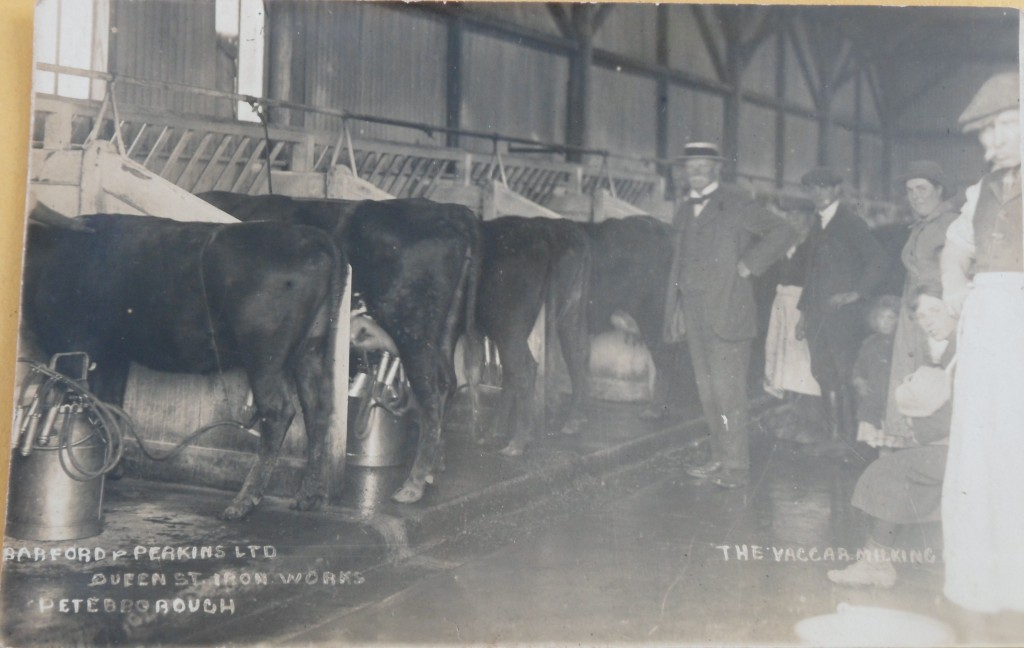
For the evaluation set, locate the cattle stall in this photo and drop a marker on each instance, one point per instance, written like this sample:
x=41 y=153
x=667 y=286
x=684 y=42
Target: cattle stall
x=167 y=407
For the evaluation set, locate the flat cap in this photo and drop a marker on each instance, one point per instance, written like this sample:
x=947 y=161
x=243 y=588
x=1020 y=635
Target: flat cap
x=928 y=170
x=821 y=177
x=999 y=94
x=698 y=150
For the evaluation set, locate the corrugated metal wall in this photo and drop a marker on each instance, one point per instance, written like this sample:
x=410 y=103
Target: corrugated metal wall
x=370 y=58
x=389 y=60
x=930 y=123
x=630 y=30
x=801 y=147
x=756 y=156
x=694 y=116
x=513 y=90
x=166 y=40
x=686 y=49
x=623 y=113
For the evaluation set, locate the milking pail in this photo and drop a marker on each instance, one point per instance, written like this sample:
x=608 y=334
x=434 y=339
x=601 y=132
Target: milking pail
x=49 y=498
x=377 y=402
x=376 y=438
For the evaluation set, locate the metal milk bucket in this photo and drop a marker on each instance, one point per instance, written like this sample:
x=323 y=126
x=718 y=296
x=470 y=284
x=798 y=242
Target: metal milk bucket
x=377 y=402
x=46 y=500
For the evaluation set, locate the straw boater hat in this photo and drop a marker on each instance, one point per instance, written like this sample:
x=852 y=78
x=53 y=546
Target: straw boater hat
x=698 y=151
x=999 y=94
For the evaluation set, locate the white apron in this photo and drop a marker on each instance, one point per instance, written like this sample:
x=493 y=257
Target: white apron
x=983 y=492
x=787 y=360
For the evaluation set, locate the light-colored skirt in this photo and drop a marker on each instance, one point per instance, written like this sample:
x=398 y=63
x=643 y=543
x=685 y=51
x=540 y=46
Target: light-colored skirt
x=983 y=492
x=787 y=364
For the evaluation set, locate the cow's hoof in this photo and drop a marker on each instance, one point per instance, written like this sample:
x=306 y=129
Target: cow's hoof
x=408 y=494
x=515 y=448
x=308 y=503
x=573 y=426
x=236 y=511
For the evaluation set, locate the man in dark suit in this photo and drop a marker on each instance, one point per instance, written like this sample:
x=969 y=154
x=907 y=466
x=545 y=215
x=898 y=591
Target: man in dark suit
x=846 y=264
x=722 y=238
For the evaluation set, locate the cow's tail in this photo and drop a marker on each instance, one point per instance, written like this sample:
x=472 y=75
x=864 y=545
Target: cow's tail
x=573 y=281
x=340 y=278
x=472 y=342
x=570 y=293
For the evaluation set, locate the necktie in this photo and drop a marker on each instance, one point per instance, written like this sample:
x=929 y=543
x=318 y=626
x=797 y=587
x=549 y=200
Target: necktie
x=698 y=201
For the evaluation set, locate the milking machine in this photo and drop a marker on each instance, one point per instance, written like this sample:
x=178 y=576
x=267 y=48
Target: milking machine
x=379 y=397
x=64 y=442
x=490 y=375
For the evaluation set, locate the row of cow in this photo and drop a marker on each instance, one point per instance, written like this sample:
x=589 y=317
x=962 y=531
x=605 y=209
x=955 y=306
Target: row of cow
x=262 y=295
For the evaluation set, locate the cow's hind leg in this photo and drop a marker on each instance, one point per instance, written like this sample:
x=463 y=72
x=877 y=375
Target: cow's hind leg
x=520 y=369
x=575 y=342
x=276 y=414
x=427 y=377
x=314 y=385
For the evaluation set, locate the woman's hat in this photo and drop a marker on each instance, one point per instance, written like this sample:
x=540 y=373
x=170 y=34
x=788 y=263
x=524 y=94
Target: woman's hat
x=927 y=170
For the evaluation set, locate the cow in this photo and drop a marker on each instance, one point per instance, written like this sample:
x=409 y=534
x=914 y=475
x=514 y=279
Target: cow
x=416 y=264
x=525 y=261
x=198 y=298
x=632 y=260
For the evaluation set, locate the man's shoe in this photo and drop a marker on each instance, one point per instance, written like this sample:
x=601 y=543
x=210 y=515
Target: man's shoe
x=730 y=478
x=704 y=471
x=865 y=573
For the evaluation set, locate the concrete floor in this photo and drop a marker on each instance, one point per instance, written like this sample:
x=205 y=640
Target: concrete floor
x=593 y=539
x=662 y=565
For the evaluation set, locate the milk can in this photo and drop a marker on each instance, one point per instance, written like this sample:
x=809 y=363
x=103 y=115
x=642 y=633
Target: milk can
x=377 y=403
x=58 y=464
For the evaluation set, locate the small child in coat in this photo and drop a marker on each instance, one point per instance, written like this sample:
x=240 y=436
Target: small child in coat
x=871 y=371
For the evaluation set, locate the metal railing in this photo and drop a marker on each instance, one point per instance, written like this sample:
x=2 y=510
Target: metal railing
x=201 y=153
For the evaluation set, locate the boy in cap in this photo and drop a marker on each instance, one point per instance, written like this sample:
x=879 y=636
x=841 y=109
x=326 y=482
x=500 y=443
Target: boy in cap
x=722 y=238
x=845 y=265
x=982 y=502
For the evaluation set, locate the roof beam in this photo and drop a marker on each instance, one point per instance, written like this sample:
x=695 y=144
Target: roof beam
x=561 y=18
x=709 y=41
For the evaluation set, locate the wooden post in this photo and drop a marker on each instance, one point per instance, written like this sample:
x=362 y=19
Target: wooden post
x=302 y=154
x=824 y=127
x=661 y=108
x=733 y=71
x=279 y=59
x=856 y=133
x=780 y=116
x=453 y=89
x=580 y=69
x=337 y=436
x=57 y=129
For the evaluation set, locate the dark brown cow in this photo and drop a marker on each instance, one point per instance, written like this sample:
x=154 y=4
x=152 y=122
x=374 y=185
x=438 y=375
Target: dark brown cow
x=198 y=298
x=526 y=260
x=632 y=262
x=416 y=264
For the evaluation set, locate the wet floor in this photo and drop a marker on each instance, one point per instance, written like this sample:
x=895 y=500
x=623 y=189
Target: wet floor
x=632 y=552
x=676 y=562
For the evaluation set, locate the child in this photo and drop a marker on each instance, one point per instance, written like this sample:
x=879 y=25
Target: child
x=871 y=371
